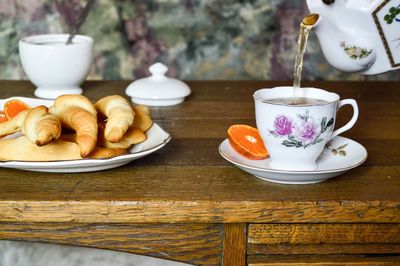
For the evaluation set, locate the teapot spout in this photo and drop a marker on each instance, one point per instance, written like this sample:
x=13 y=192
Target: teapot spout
x=312 y=20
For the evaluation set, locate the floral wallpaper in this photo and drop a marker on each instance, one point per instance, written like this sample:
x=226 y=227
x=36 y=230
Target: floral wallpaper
x=197 y=39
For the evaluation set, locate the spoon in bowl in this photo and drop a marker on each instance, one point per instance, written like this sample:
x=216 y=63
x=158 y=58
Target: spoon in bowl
x=81 y=19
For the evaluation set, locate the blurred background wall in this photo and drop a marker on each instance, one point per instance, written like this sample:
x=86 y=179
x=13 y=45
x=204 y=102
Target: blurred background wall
x=197 y=39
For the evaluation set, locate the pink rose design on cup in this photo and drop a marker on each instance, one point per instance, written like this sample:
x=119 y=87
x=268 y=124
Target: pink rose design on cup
x=283 y=125
x=304 y=133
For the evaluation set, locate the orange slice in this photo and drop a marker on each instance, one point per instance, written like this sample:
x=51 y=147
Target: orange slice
x=14 y=107
x=247 y=141
x=2 y=118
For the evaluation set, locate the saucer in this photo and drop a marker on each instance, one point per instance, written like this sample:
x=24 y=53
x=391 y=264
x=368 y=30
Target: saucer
x=339 y=156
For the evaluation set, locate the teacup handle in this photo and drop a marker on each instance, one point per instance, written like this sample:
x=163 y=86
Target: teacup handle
x=352 y=121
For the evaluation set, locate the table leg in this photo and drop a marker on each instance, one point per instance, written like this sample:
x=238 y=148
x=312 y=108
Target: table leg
x=234 y=245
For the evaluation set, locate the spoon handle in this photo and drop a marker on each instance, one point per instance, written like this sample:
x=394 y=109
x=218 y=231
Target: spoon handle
x=82 y=17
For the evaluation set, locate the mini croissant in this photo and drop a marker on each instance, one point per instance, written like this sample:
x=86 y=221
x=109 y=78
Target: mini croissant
x=78 y=113
x=21 y=149
x=120 y=116
x=143 y=119
x=36 y=124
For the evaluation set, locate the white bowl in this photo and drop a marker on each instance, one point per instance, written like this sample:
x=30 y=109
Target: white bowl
x=54 y=67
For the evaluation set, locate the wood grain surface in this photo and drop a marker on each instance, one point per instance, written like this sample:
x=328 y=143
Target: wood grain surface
x=311 y=249
x=188 y=181
x=198 y=244
x=323 y=239
x=323 y=260
x=235 y=242
x=271 y=234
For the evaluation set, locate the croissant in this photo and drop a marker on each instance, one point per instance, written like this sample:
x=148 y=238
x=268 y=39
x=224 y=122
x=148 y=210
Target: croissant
x=40 y=127
x=102 y=153
x=36 y=124
x=120 y=116
x=142 y=119
x=132 y=136
x=21 y=149
x=78 y=113
x=13 y=125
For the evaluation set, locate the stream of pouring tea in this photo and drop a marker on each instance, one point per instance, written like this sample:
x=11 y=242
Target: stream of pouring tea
x=305 y=28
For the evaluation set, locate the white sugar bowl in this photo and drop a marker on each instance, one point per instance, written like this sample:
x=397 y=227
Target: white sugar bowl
x=158 y=90
x=54 y=67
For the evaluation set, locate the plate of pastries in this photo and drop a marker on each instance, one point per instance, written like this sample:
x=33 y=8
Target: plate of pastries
x=74 y=134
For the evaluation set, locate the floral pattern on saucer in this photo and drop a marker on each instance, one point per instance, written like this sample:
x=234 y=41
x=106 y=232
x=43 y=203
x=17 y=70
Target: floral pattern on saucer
x=339 y=151
x=303 y=132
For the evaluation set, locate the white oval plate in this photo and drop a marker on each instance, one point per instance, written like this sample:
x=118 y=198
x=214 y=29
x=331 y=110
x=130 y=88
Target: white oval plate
x=339 y=156
x=156 y=139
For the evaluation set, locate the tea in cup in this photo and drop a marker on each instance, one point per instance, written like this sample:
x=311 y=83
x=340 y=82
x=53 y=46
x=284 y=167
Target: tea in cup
x=296 y=130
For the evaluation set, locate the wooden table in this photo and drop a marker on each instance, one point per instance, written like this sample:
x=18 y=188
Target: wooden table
x=186 y=203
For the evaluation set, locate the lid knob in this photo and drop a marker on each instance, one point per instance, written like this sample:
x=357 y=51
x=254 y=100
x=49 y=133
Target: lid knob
x=158 y=69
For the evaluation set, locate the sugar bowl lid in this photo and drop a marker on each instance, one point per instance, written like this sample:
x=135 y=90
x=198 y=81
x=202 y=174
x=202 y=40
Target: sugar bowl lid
x=157 y=89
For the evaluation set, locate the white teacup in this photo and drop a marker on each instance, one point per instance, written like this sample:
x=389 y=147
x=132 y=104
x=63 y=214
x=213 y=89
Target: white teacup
x=54 y=67
x=295 y=135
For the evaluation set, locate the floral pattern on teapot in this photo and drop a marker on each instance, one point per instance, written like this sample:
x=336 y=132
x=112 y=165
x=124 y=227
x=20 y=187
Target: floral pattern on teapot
x=387 y=19
x=355 y=52
x=392 y=15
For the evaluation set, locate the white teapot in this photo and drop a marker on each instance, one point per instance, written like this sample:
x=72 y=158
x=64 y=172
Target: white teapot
x=359 y=35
